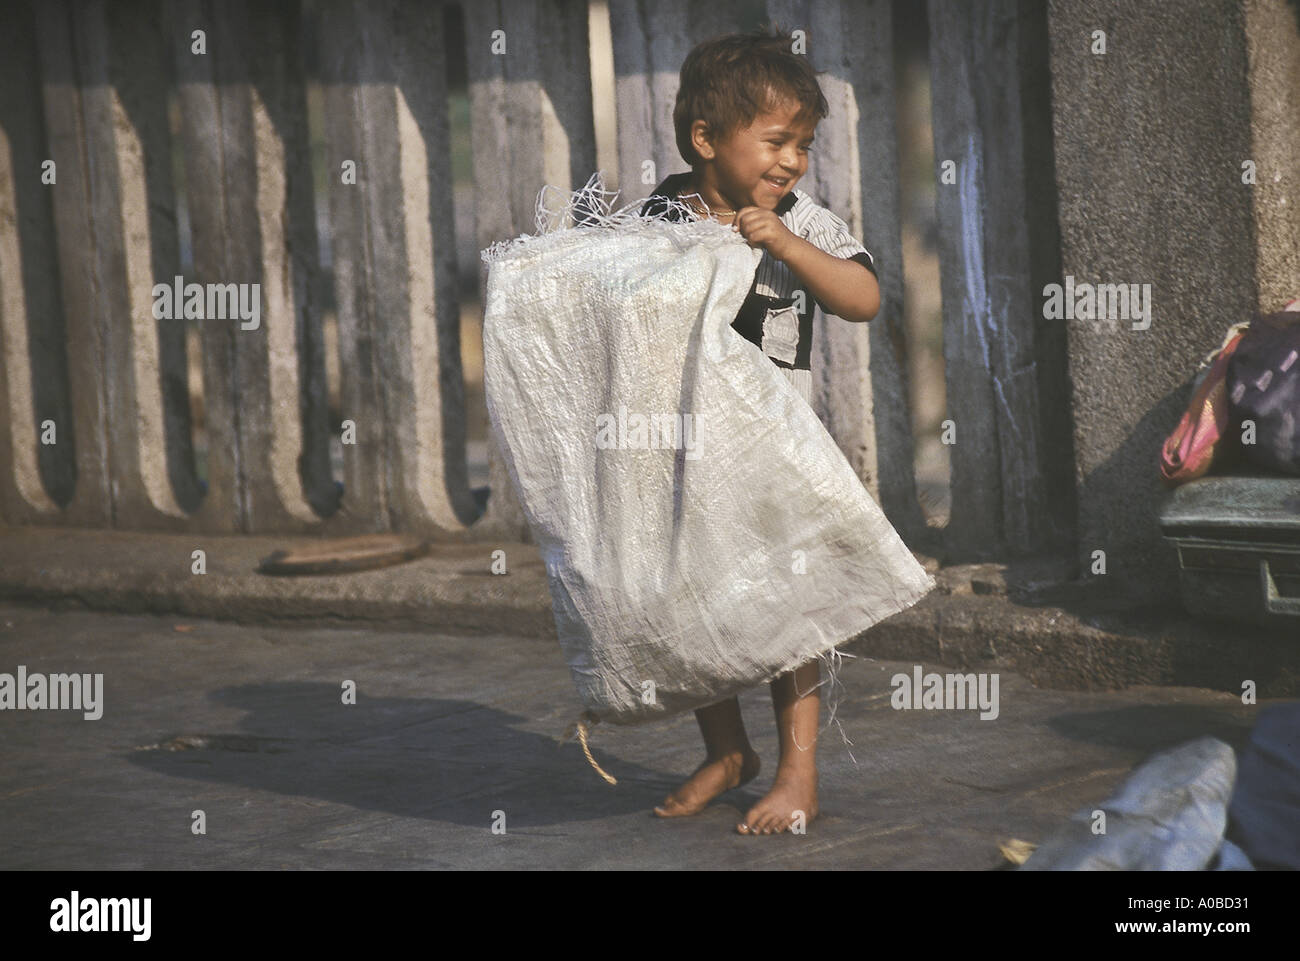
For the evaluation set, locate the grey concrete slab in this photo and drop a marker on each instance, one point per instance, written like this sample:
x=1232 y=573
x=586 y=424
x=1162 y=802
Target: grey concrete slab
x=448 y=729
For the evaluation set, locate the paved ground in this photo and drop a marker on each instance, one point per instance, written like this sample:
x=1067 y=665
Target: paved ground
x=1019 y=618
x=247 y=724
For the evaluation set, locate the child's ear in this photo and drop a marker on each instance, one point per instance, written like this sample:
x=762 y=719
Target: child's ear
x=702 y=140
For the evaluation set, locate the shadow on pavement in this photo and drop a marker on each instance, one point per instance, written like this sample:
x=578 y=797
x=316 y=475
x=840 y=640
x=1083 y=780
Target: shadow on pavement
x=442 y=759
x=1152 y=728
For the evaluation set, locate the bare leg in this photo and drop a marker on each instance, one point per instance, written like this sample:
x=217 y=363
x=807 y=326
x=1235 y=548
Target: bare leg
x=729 y=761
x=797 y=721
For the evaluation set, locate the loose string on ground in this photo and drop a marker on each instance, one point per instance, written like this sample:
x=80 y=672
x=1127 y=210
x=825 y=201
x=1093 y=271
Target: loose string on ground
x=580 y=727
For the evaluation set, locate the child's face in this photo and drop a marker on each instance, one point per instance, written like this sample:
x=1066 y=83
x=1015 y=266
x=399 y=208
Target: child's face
x=758 y=165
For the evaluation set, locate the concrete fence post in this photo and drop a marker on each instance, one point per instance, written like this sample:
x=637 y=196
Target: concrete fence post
x=394 y=263
x=530 y=125
x=72 y=54
x=248 y=186
x=650 y=41
x=36 y=479
x=1004 y=364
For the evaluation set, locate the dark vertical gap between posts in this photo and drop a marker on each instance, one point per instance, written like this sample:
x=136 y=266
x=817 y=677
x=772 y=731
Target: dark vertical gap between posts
x=1051 y=345
x=323 y=292
x=923 y=317
x=467 y=255
x=201 y=183
x=191 y=415
x=302 y=127
x=750 y=15
x=23 y=117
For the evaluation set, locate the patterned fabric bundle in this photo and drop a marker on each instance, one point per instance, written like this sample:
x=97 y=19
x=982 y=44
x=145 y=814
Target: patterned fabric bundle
x=1201 y=439
x=1263 y=385
x=701 y=530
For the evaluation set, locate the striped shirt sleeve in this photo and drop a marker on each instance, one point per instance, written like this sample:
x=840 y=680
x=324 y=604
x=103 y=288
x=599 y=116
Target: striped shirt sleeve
x=830 y=233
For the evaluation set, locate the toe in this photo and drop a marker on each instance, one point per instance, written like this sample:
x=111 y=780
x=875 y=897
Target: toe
x=671 y=808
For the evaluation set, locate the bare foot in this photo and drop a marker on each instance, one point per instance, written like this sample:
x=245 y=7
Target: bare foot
x=776 y=811
x=710 y=779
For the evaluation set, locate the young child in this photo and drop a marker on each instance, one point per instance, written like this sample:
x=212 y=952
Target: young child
x=745 y=118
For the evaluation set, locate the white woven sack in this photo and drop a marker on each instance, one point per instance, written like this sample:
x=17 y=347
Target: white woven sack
x=684 y=565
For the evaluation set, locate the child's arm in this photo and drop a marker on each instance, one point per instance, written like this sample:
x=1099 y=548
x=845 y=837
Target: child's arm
x=843 y=288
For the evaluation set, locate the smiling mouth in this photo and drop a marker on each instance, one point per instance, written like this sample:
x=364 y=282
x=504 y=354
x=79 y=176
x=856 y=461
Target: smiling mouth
x=777 y=183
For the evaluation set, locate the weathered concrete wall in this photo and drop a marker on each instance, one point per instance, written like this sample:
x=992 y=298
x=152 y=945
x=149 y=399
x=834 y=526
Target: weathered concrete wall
x=1150 y=137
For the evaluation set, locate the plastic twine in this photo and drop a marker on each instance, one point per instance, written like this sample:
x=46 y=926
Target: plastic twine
x=586 y=721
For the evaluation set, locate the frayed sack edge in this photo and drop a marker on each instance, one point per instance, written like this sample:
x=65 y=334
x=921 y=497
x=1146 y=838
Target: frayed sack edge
x=559 y=212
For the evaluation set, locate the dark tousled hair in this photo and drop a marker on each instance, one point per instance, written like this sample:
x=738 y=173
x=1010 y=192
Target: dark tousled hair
x=729 y=80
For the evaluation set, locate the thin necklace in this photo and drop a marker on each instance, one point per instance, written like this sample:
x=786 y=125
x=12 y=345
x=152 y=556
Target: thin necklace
x=706 y=208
